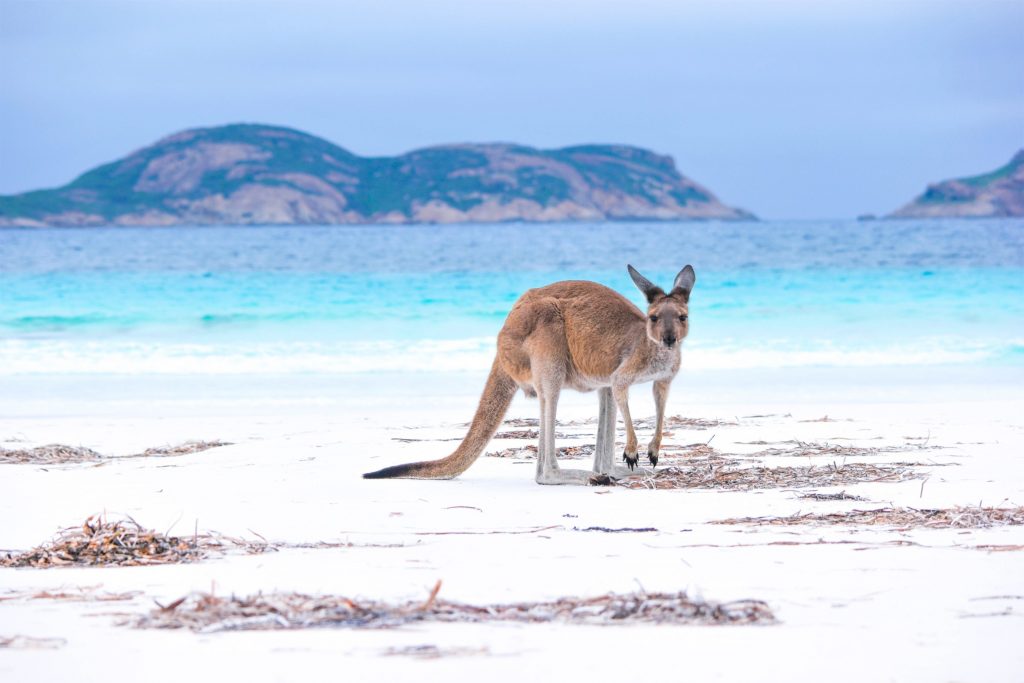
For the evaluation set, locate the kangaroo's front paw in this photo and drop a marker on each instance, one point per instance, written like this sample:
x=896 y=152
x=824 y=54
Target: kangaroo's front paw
x=652 y=455
x=631 y=460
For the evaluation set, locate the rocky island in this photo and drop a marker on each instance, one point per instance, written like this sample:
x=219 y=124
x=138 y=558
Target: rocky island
x=248 y=174
x=991 y=195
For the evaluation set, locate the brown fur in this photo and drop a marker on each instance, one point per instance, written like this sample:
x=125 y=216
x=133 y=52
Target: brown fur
x=577 y=335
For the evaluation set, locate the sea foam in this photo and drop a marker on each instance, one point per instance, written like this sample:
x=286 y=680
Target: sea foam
x=47 y=356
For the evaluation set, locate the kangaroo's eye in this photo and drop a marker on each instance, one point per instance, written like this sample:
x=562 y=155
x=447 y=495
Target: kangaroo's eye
x=682 y=318
x=654 y=318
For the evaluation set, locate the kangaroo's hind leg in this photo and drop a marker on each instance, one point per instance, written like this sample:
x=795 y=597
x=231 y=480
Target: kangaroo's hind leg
x=604 y=452
x=548 y=471
x=601 y=460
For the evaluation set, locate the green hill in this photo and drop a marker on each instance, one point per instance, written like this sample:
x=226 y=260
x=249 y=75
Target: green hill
x=256 y=174
x=995 y=194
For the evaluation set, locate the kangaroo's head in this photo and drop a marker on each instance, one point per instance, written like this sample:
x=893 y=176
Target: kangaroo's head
x=667 y=314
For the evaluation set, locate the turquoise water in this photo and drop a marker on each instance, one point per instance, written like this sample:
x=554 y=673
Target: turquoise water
x=350 y=299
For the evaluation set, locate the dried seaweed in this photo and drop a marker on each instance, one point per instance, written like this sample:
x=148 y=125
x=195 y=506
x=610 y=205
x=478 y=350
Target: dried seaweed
x=402 y=439
x=730 y=478
x=669 y=453
x=207 y=613
x=186 y=448
x=842 y=495
x=518 y=434
x=433 y=651
x=79 y=594
x=100 y=542
x=496 y=532
x=693 y=452
x=53 y=454
x=678 y=421
x=31 y=643
x=814 y=449
x=59 y=454
x=905 y=518
x=529 y=452
x=670 y=422
x=522 y=453
x=619 y=530
x=520 y=422
x=320 y=545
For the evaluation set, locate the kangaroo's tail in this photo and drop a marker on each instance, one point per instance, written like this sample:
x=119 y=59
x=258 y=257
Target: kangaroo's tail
x=497 y=396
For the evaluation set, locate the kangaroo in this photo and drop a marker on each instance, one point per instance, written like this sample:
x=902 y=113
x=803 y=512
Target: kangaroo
x=584 y=336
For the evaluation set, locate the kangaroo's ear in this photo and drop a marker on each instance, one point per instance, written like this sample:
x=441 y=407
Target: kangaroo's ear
x=684 y=282
x=650 y=290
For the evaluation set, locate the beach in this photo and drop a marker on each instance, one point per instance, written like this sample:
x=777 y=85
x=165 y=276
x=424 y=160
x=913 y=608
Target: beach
x=851 y=601
x=839 y=491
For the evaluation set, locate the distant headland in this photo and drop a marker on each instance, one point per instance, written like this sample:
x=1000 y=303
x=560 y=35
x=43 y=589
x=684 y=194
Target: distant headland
x=991 y=195
x=247 y=174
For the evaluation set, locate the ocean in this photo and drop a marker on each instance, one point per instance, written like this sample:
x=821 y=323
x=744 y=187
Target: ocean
x=354 y=299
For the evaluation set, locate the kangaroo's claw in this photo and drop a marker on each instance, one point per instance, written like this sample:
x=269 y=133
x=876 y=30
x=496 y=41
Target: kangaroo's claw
x=631 y=461
x=653 y=457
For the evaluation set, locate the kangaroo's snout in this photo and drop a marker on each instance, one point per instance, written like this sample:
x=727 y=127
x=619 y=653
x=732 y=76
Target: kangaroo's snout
x=670 y=340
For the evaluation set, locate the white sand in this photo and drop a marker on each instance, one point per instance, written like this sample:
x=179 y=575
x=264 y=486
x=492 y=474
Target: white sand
x=870 y=609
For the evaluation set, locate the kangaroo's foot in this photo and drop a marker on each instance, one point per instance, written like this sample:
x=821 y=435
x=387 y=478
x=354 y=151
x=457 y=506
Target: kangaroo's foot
x=632 y=459
x=620 y=472
x=652 y=455
x=576 y=477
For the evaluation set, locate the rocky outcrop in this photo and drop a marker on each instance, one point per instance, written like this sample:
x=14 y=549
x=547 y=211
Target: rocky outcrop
x=996 y=194
x=253 y=174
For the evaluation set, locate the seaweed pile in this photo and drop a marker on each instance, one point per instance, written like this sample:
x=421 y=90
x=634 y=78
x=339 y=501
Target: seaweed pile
x=731 y=478
x=902 y=517
x=60 y=454
x=99 y=542
x=206 y=613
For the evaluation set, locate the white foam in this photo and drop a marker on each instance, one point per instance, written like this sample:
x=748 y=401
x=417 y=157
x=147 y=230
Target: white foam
x=24 y=356
x=119 y=357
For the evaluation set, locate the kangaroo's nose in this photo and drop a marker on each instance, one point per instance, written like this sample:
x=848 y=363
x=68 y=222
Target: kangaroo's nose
x=669 y=340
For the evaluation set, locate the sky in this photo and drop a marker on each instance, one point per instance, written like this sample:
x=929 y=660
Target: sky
x=802 y=109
